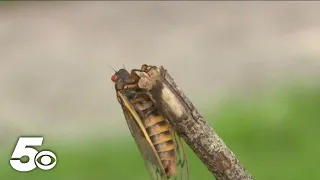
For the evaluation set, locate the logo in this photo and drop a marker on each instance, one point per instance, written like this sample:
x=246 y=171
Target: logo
x=40 y=159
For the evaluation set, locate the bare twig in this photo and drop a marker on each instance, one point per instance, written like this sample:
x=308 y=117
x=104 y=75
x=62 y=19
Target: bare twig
x=191 y=126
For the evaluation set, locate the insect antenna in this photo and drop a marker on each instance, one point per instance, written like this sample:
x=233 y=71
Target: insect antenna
x=112 y=68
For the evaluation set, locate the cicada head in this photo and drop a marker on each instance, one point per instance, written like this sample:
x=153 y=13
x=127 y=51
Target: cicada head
x=122 y=78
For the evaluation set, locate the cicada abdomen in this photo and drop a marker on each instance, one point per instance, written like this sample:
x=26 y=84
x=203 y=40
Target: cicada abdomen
x=159 y=131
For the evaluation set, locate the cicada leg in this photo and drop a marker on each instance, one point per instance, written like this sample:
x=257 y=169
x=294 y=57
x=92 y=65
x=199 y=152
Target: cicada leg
x=144 y=68
x=136 y=78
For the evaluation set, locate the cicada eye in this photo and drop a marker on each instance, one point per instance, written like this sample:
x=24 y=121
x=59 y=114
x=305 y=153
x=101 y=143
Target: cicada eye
x=114 y=78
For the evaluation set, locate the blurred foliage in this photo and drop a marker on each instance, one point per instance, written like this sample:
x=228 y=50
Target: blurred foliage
x=275 y=135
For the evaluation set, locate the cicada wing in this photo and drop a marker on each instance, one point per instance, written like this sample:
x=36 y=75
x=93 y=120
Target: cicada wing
x=182 y=162
x=142 y=139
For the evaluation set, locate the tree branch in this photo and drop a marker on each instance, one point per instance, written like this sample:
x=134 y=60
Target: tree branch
x=191 y=126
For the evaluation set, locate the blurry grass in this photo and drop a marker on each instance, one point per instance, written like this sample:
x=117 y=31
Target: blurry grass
x=275 y=135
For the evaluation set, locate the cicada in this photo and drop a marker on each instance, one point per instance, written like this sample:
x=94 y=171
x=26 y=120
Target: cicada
x=159 y=145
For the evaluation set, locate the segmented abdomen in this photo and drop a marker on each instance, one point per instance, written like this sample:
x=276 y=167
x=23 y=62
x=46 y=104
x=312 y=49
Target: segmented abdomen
x=159 y=131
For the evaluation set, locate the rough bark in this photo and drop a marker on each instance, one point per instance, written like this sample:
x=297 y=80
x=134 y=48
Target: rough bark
x=191 y=126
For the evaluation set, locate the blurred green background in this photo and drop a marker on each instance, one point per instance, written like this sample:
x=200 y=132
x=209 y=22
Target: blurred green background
x=274 y=134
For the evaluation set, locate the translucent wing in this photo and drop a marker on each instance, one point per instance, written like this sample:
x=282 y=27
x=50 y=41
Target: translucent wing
x=182 y=162
x=142 y=139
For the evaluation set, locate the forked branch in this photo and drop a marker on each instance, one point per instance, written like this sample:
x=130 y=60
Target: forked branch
x=191 y=126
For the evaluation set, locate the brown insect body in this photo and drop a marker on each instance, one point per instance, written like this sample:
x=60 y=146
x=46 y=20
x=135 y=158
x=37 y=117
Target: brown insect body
x=159 y=131
x=157 y=127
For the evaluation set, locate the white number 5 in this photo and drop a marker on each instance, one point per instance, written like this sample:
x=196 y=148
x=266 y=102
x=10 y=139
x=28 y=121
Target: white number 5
x=21 y=150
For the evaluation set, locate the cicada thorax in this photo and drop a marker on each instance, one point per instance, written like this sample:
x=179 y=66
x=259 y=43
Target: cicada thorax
x=159 y=131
